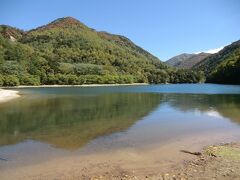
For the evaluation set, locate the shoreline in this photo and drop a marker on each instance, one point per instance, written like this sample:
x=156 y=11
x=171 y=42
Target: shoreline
x=7 y=95
x=83 y=85
x=213 y=161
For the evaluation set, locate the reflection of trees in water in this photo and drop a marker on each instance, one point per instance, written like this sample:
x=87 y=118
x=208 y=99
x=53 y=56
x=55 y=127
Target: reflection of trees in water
x=70 y=122
x=226 y=105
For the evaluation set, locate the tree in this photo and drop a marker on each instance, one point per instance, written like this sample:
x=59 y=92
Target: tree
x=1 y=80
x=11 y=80
x=27 y=79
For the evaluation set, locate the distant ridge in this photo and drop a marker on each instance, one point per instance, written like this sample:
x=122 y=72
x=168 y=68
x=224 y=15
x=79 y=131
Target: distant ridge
x=186 y=61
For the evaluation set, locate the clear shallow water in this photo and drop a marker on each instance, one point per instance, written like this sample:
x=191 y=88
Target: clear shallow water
x=51 y=122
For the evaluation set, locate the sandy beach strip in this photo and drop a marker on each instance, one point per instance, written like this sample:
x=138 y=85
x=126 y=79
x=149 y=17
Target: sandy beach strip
x=7 y=95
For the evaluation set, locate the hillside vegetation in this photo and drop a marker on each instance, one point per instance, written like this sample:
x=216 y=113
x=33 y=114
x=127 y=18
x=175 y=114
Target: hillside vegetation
x=66 y=51
x=222 y=67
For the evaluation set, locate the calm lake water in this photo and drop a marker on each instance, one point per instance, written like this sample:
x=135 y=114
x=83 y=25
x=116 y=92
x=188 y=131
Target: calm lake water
x=47 y=123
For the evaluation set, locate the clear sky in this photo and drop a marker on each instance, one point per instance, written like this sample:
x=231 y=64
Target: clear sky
x=163 y=27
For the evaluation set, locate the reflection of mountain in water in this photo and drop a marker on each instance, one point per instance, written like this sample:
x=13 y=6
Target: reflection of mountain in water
x=227 y=106
x=70 y=122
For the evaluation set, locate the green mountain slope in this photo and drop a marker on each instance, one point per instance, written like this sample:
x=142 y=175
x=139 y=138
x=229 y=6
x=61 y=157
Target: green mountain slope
x=224 y=66
x=66 y=51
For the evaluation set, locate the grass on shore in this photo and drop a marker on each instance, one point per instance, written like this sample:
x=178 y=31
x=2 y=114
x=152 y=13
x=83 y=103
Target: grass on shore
x=230 y=152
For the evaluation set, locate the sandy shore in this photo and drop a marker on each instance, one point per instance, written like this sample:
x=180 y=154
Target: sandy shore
x=7 y=95
x=83 y=85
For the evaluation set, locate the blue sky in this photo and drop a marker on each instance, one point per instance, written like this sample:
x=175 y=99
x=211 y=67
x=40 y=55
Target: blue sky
x=163 y=27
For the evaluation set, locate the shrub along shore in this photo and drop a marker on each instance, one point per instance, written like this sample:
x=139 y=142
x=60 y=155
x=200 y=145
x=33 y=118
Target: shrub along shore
x=71 y=79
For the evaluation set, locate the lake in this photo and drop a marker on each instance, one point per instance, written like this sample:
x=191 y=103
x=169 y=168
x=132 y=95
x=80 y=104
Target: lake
x=89 y=130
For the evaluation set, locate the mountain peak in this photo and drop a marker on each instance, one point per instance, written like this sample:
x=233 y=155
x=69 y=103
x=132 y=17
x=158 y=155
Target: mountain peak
x=63 y=22
x=67 y=20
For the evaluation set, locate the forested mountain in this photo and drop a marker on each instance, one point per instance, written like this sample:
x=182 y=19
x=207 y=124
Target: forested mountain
x=66 y=51
x=222 y=67
x=186 y=61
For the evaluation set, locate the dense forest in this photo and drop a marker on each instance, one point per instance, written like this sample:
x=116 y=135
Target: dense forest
x=66 y=51
x=222 y=67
